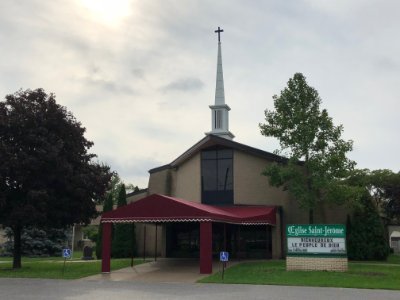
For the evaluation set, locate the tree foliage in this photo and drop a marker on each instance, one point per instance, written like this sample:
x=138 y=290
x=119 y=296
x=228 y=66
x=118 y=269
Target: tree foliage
x=384 y=188
x=366 y=235
x=38 y=241
x=47 y=176
x=124 y=234
x=315 y=152
x=115 y=187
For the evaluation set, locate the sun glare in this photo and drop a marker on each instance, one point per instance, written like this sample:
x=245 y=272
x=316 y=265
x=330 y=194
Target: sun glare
x=108 y=11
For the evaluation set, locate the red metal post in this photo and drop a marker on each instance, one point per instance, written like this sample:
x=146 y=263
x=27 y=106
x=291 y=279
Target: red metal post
x=205 y=248
x=106 y=248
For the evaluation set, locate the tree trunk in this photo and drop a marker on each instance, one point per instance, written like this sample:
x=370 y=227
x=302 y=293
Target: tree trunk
x=311 y=216
x=309 y=188
x=17 y=246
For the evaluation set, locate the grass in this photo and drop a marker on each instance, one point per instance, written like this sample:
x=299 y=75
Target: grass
x=77 y=255
x=53 y=268
x=384 y=275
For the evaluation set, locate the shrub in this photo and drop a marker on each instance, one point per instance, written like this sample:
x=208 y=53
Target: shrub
x=38 y=242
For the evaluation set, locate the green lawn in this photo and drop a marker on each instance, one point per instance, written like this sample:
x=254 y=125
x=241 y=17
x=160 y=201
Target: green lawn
x=394 y=259
x=52 y=268
x=77 y=255
x=376 y=275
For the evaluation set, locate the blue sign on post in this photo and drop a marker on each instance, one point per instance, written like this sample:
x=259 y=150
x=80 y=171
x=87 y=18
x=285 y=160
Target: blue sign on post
x=224 y=256
x=66 y=253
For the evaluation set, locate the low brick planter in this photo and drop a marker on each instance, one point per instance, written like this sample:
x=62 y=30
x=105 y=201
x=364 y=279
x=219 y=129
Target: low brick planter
x=338 y=264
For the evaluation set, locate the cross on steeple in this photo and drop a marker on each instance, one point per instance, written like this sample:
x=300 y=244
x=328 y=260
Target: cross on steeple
x=219 y=32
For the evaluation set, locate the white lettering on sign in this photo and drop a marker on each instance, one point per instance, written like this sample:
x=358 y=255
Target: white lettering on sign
x=316 y=230
x=316 y=245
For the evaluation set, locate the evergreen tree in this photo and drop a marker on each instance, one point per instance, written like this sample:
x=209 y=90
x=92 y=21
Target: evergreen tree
x=108 y=205
x=123 y=241
x=37 y=241
x=366 y=233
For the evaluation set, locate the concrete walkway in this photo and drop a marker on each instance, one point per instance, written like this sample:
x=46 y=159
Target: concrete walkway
x=164 y=270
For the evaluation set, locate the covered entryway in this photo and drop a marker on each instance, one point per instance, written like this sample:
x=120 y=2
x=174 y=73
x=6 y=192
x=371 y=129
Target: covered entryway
x=241 y=241
x=163 y=209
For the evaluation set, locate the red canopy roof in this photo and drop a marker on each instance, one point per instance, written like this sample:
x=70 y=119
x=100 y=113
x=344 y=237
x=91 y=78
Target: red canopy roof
x=160 y=208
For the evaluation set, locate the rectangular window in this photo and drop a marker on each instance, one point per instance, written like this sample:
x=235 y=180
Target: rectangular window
x=225 y=176
x=209 y=174
x=217 y=176
x=217 y=119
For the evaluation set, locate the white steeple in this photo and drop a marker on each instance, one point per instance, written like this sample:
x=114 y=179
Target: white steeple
x=220 y=111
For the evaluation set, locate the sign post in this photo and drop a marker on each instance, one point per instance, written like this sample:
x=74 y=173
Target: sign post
x=66 y=253
x=223 y=257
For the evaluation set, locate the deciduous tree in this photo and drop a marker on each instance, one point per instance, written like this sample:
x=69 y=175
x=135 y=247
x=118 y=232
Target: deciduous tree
x=315 y=151
x=384 y=187
x=47 y=176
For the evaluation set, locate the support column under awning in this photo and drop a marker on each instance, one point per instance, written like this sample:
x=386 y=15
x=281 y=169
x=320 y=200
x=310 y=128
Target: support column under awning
x=205 y=247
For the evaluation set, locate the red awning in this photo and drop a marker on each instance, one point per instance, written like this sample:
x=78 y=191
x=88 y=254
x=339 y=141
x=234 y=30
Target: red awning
x=160 y=208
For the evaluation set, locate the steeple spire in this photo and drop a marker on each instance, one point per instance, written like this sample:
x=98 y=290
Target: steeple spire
x=219 y=88
x=220 y=111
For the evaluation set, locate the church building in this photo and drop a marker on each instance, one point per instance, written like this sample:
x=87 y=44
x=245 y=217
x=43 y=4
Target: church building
x=211 y=198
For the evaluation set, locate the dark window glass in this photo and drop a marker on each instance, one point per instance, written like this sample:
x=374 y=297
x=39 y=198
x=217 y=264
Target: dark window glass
x=209 y=174
x=217 y=176
x=225 y=153
x=210 y=154
x=225 y=180
x=219 y=119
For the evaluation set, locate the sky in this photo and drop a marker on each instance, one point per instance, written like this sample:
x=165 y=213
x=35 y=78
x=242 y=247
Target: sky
x=140 y=75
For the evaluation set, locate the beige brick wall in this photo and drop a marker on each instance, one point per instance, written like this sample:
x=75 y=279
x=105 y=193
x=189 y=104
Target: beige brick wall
x=150 y=245
x=276 y=233
x=159 y=182
x=188 y=182
x=338 y=264
x=250 y=187
x=136 y=197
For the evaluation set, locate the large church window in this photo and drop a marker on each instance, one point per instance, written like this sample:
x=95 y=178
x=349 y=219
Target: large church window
x=217 y=176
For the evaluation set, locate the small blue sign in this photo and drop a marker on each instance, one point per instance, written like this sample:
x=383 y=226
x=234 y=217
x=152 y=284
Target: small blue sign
x=66 y=253
x=224 y=256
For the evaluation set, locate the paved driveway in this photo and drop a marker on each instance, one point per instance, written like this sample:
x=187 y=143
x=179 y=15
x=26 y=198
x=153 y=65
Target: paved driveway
x=162 y=270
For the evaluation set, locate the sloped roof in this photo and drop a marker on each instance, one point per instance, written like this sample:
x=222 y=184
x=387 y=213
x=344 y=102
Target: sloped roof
x=160 y=208
x=213 y=140
x=395 y=234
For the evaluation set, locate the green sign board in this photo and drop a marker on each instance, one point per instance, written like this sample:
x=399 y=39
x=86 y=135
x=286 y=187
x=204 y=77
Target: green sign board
x=316 y=239
x=323 y=230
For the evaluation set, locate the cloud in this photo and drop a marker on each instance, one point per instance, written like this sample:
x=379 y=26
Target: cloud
x=138 y=73
x=142 y=87
x=109 y=86
x=132 y=168
x=184 y=85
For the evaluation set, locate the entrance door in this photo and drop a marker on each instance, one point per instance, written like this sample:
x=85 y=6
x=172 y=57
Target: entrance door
x=183 y=240
x=242 y=241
